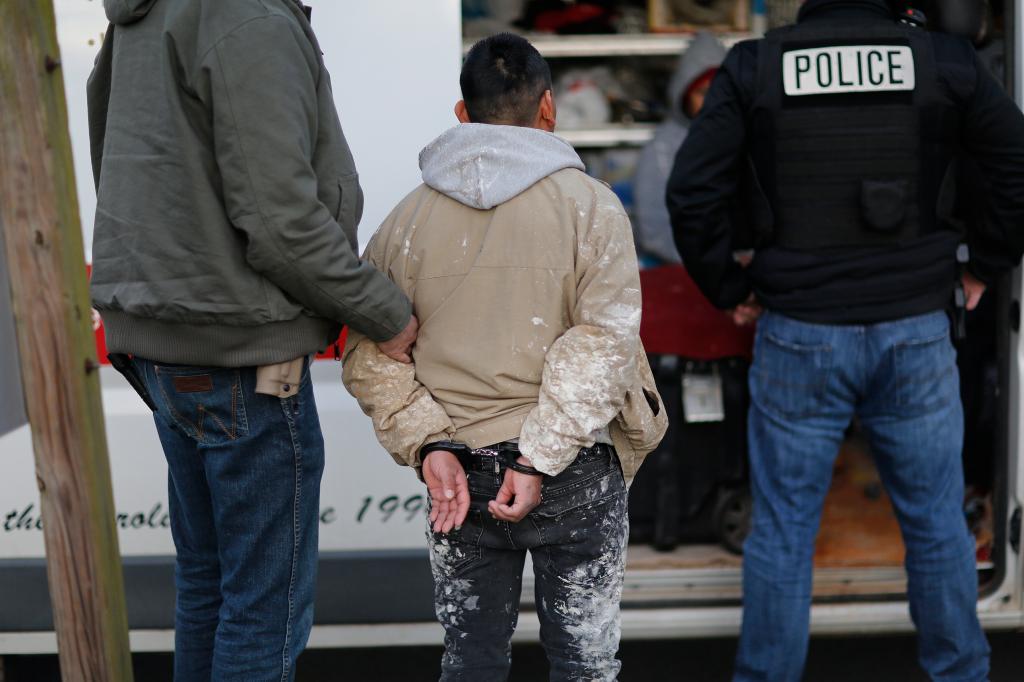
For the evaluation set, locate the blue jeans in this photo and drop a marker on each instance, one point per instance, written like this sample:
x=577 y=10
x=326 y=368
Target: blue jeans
x=807 y=382
x=577 y=538
x=244 y=494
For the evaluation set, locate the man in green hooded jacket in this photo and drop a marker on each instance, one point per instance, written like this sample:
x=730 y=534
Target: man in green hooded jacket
x=224 y=255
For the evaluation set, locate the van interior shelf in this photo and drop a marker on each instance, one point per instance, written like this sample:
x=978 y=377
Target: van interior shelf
x=609 y=135
x=616 y=45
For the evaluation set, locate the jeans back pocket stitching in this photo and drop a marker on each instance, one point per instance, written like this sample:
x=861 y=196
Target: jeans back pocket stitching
x=241 y=413
x=537 y=527
x=175 y=415
x=606 y=501
x=472 y=556
x=568 y=488
x=508 y=534
x=477 y=519
x=230 y=433
x=946 y=370
x=199 y=428
x=816 y=388
x=794 y=347
x=595 y=502
x=917 y=343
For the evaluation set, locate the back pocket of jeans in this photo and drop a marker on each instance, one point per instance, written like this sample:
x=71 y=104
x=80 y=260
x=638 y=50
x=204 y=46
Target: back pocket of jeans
x=586 y=533
x=789 y=378
x=924 y=374
x=575 y=503
x=205 y=402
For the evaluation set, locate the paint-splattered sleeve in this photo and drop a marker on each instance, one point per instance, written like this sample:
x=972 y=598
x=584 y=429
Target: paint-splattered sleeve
x=588 y=370
x=405 y=415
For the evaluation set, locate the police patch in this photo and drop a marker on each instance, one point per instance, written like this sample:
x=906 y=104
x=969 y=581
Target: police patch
x=848 y=68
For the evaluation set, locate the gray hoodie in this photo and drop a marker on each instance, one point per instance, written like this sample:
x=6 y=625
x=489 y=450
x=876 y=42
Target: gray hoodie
x=652 y=227
x=227 y=197
x=483 y=166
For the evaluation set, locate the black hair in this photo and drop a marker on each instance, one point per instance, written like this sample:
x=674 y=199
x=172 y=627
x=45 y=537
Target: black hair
x=503 y=79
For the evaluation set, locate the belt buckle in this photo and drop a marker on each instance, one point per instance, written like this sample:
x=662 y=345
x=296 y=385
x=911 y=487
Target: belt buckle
x=481 y=457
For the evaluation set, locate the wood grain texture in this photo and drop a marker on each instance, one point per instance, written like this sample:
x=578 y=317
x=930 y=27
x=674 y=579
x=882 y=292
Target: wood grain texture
x=46 y=269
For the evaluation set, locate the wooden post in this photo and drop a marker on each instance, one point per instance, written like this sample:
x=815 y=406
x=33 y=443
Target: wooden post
x=46 y=268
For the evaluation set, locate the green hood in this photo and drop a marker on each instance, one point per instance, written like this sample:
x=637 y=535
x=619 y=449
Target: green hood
x=127 y=11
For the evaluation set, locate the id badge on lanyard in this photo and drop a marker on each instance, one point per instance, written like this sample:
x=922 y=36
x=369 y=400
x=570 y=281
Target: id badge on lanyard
x=702 y=396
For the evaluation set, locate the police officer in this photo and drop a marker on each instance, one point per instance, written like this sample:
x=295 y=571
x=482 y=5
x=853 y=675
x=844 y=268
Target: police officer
x=841 y=134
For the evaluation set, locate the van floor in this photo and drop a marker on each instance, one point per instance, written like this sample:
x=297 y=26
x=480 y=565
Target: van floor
x=859 y=549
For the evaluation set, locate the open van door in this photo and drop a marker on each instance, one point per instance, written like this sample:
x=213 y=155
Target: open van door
x=1015 y=430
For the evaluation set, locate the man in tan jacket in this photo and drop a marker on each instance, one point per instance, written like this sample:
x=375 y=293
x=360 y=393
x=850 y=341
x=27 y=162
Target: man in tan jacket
x=530 y=402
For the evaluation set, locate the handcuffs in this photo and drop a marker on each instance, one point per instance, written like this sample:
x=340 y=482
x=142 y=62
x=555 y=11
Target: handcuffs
x=464 y=454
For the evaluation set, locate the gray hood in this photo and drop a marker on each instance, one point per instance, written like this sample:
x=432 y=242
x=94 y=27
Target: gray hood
x=705 y=52
x=127 y=11
x=483 y=165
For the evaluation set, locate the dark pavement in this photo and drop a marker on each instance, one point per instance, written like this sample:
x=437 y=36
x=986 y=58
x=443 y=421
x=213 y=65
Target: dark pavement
x=846 y=659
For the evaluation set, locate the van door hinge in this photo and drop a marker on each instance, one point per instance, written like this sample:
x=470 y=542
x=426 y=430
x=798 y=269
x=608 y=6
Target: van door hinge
x=1015 y=531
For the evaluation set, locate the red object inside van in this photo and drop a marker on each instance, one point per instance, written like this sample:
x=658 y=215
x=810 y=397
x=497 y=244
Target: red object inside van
x=678 y=320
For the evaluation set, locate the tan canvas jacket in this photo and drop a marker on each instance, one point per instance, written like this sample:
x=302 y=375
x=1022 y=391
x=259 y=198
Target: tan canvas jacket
x=529 y=309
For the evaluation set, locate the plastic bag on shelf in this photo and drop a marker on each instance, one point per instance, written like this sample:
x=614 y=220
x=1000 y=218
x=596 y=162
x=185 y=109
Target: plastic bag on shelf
x=582 y=97
x=590 y=97
x=684 y=15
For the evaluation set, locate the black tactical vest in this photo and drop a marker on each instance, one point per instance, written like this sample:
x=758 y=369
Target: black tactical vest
x=853 y=136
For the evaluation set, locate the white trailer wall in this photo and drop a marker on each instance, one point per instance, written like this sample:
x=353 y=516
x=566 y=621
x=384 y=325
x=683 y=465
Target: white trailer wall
x=395 y=68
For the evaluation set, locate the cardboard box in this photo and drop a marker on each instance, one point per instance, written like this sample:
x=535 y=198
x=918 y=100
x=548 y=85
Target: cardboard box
x=676 y=16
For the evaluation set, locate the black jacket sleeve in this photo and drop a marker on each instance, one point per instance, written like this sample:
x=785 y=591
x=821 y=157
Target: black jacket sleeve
x=993 y=137
x=705 y=178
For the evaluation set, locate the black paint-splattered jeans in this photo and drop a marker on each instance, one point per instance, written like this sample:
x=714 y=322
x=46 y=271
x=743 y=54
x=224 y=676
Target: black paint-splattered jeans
x=577 y=538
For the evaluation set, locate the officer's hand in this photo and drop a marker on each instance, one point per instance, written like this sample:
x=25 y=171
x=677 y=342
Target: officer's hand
x=448 y=489
x=746 y=313
x=974 y=288
x=400 y=347
x=522 y=490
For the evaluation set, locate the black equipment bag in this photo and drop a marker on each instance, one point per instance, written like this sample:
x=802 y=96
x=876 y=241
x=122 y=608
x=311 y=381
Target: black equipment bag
x=694 y=485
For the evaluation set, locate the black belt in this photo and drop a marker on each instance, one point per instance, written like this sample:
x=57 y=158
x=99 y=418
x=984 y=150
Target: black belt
x=493 y=457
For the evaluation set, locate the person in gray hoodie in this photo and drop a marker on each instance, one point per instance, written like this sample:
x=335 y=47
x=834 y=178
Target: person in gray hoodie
x=530 y=403
x=225 y=254
x=651 y=226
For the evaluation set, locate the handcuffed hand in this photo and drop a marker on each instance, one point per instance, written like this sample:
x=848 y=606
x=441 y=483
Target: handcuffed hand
x=448 y=490
x=400 y=347
x=521 y=490
x=746 y=313
x=974 y=288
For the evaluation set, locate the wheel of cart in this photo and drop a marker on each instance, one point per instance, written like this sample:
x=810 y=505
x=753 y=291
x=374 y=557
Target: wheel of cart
x=731 y=516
